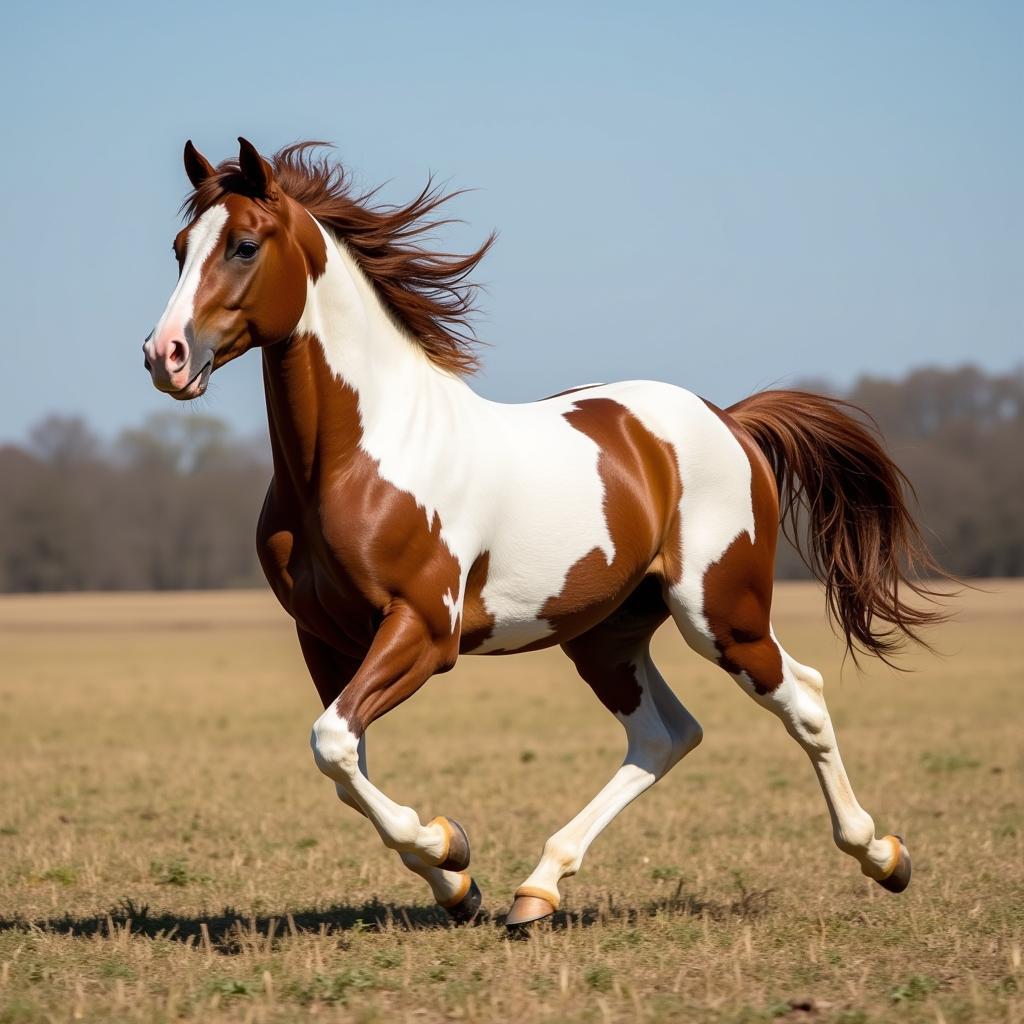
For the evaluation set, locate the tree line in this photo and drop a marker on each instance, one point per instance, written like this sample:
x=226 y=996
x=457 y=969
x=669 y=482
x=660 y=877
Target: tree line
x=169 y=505
x=958 y=435
x=173 y=504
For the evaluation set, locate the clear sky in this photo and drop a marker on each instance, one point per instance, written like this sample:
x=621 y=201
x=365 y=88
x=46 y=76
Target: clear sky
x=722 y=195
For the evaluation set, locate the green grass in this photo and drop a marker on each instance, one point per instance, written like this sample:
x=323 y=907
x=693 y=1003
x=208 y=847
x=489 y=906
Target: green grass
x=169 y=852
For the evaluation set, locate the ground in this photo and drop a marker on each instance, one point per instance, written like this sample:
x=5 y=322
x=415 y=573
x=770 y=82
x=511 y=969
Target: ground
x=168 y=850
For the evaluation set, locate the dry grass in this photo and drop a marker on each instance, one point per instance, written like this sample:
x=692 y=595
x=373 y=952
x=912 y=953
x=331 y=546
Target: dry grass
x=168 y=851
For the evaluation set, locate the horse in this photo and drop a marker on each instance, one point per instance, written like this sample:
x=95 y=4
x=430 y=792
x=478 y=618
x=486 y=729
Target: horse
x=410 y=521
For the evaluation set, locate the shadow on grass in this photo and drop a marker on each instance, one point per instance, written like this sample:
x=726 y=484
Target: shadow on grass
x=232 y=932
x=747 y=905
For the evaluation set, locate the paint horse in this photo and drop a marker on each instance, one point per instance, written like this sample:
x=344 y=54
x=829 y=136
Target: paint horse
x=410 y=521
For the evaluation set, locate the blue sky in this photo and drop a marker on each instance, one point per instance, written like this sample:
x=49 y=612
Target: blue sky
x=717 y=194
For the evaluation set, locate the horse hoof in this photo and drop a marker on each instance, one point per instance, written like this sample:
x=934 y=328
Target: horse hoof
x=465 y=911
x=457 y=857
x=527 y=910
x=899 y=878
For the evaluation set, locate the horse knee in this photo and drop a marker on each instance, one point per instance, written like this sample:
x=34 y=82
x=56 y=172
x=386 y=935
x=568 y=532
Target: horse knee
x=335 y=747
x=808 y=677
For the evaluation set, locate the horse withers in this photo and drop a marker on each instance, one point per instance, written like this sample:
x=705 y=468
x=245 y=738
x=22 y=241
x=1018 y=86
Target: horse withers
x=410 y=521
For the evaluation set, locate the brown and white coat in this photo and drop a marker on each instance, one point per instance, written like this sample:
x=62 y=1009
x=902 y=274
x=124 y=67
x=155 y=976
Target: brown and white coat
x=410 y=520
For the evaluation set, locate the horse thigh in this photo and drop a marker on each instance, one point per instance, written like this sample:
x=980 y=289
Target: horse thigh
x=726 y=615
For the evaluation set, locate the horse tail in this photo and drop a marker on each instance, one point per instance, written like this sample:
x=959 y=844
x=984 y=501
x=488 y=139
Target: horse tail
x=859 y=536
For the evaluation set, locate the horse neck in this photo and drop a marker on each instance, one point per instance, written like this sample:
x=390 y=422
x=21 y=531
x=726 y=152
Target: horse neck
x=346 y=375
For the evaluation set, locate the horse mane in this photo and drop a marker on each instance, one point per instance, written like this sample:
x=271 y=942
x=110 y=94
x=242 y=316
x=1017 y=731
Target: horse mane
x=428 y=293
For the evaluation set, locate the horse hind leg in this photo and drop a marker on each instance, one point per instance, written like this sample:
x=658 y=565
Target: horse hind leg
x=614 y=659
x=731 y=626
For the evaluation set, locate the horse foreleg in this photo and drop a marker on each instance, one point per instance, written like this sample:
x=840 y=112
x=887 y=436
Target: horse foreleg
x=401 y=658
x=451 y=885
x=455 y=891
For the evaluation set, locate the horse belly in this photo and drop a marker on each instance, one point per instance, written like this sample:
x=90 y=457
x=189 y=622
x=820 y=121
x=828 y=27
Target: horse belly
x=584 y=527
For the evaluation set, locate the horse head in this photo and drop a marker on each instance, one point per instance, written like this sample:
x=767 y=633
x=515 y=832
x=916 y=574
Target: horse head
x=244 y=260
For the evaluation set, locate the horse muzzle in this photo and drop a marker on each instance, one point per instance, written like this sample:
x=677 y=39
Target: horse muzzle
x=178 y=368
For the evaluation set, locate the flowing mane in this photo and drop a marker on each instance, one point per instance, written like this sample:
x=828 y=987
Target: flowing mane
x=428 y=293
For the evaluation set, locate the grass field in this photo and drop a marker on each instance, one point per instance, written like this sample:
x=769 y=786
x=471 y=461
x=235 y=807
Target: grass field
x=168 y=850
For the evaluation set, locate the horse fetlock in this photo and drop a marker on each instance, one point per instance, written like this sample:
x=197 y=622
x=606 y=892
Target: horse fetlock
x=855 y=836
x=563 y=852
x=405 y=832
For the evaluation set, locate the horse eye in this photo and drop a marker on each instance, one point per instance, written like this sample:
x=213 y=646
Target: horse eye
x=246 y=250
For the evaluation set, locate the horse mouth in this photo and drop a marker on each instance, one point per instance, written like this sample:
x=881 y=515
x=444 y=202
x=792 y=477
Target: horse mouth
x=197 y=385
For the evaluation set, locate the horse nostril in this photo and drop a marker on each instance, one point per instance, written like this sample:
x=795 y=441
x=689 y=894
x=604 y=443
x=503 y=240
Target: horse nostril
x=148 y=367
x=178 y=354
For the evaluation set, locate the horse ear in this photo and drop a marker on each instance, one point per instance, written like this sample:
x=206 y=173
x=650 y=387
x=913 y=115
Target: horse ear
x=256 y=171
x=197 y=167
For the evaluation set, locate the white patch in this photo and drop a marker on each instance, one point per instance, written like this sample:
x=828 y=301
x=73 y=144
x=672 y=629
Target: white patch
x=201 y=242
x=715 y=473
x=517 y=481
x=341 y=757
x=453 y=605
x=659 y=732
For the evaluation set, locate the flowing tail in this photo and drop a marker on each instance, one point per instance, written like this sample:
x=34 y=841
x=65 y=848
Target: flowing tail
x=860 y=538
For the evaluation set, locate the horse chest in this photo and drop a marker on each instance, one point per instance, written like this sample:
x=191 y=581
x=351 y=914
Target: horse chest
x=312 y=581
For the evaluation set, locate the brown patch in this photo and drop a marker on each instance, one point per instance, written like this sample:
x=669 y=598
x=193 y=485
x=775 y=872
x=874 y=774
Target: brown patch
x=477 y=621
x=351 y=557
x=603 y=655
x=618 y=688
x=738 y=587
x=330 y=669
x=426 y=292
x=641 y=507
x=641 y=495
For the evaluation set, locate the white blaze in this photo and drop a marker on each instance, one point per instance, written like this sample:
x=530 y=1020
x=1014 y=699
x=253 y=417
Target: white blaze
x=201 y=242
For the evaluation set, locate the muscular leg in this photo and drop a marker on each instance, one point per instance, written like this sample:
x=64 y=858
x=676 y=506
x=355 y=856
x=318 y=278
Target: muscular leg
x=450 y=884
x=454 y=890
x=737 y=635
x=615 y=660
